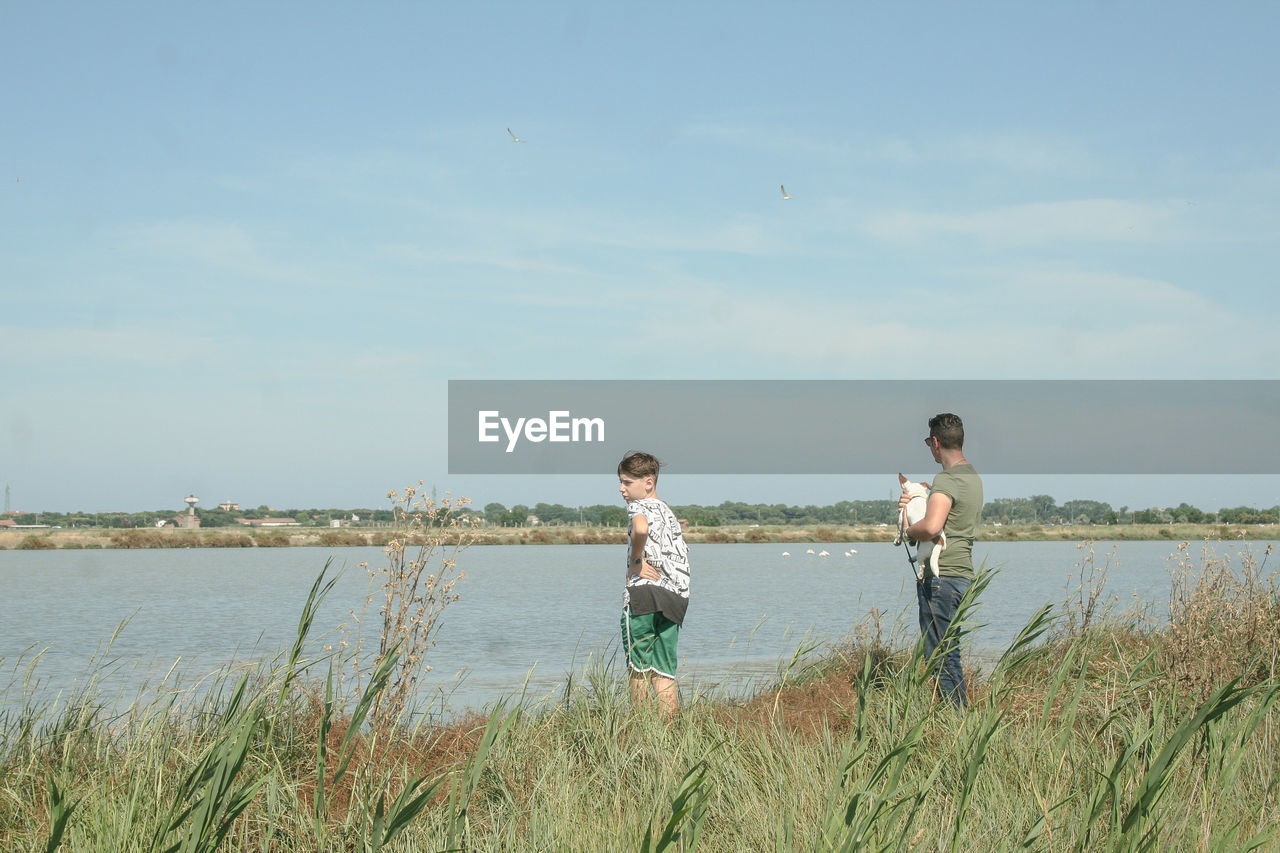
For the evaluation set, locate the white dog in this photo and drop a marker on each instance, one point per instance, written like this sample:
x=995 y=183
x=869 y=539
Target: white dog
x=911 y=513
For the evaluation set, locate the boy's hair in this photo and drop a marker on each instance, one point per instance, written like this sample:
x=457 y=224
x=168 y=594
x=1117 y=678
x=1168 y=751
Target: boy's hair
x=639 y=464
x=949 y=430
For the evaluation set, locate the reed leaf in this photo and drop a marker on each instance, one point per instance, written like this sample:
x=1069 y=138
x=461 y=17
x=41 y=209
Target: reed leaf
x=1154 y=783
x=319 y=590
x=351 y=737
x=60 y=809
x=877 y=798
x=387 y=824
x=320 y=800
x=1024 y=647
x=209 y=800
x=688 y=806
x=500 y=721
x=975 y=754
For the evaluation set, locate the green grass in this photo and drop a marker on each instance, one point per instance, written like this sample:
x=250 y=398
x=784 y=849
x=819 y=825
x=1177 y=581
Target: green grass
x=1108 y=735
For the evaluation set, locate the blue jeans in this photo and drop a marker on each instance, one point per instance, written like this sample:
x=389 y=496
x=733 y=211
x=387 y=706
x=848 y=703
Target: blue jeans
x=938 y=599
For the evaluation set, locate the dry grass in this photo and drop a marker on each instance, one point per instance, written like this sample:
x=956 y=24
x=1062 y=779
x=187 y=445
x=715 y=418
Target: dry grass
x=1223 y=618
x=430 y=750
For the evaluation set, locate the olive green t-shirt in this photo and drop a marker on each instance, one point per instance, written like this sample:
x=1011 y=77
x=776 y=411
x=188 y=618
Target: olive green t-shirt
x=962 y=484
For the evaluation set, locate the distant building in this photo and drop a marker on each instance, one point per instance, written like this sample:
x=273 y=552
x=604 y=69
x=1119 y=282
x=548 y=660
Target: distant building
x=229 y=506
x=269 y=522
x=190 y=521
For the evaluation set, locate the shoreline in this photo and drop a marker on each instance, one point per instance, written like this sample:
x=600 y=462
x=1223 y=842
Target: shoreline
x=37 y=539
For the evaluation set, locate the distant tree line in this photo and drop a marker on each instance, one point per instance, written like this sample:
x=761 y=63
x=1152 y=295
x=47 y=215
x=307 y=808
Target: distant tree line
x=208 y=517
x=1037 y=509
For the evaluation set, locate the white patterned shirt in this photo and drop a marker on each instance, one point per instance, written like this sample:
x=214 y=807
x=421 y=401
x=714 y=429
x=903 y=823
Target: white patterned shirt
x=665 y=550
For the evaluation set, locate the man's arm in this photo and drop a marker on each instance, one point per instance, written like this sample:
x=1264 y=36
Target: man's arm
x=935 y=518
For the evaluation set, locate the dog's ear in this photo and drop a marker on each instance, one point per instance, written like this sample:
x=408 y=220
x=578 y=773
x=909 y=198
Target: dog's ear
x=926 y=486
x=902 y=479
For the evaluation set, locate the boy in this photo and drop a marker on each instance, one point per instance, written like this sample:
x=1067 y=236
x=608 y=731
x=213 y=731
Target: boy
x=657 y=586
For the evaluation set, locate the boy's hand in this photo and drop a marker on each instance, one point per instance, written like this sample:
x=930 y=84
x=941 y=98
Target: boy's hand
x=648 y=572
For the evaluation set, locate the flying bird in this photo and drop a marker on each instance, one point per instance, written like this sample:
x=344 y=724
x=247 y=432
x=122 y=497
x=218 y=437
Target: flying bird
x=514 y=138
x=784 y=191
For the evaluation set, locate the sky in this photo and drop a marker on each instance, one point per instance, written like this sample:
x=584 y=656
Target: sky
x=244 y=247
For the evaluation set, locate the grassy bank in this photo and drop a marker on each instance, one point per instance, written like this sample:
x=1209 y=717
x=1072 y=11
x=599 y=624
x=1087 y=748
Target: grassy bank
x=240 y=537
x=1093 y=732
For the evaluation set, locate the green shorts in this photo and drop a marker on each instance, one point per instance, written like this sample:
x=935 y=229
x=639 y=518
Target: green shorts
x=650 y=643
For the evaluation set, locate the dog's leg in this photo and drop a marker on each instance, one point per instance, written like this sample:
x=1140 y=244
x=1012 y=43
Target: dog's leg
x=924 y=558
x=936 y=553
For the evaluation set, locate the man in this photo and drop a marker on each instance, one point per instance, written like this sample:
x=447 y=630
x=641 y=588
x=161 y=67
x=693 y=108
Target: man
x=954 y=508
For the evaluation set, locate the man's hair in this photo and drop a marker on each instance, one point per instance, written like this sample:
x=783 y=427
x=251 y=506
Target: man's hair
x=639 y=464
x=949 y=429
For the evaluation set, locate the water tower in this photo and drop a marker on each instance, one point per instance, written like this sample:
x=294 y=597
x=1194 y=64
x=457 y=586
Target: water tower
x=190 y=519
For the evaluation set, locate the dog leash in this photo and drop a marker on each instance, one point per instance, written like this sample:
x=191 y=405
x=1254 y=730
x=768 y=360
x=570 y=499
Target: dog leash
x=911 y=560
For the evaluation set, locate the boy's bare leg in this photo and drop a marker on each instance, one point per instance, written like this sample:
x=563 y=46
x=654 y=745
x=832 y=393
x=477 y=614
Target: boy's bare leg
x=643 y=684
x=668 y=696
x=639 y=689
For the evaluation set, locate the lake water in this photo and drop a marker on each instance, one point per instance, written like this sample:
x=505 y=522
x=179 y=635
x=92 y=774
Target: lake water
x=528 y=615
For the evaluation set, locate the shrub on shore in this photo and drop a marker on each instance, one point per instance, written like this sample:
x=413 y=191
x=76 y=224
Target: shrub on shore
x=136 y=538
x=343 y=539
x=271 y=539
x=237 y=539
x=1223 y=617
